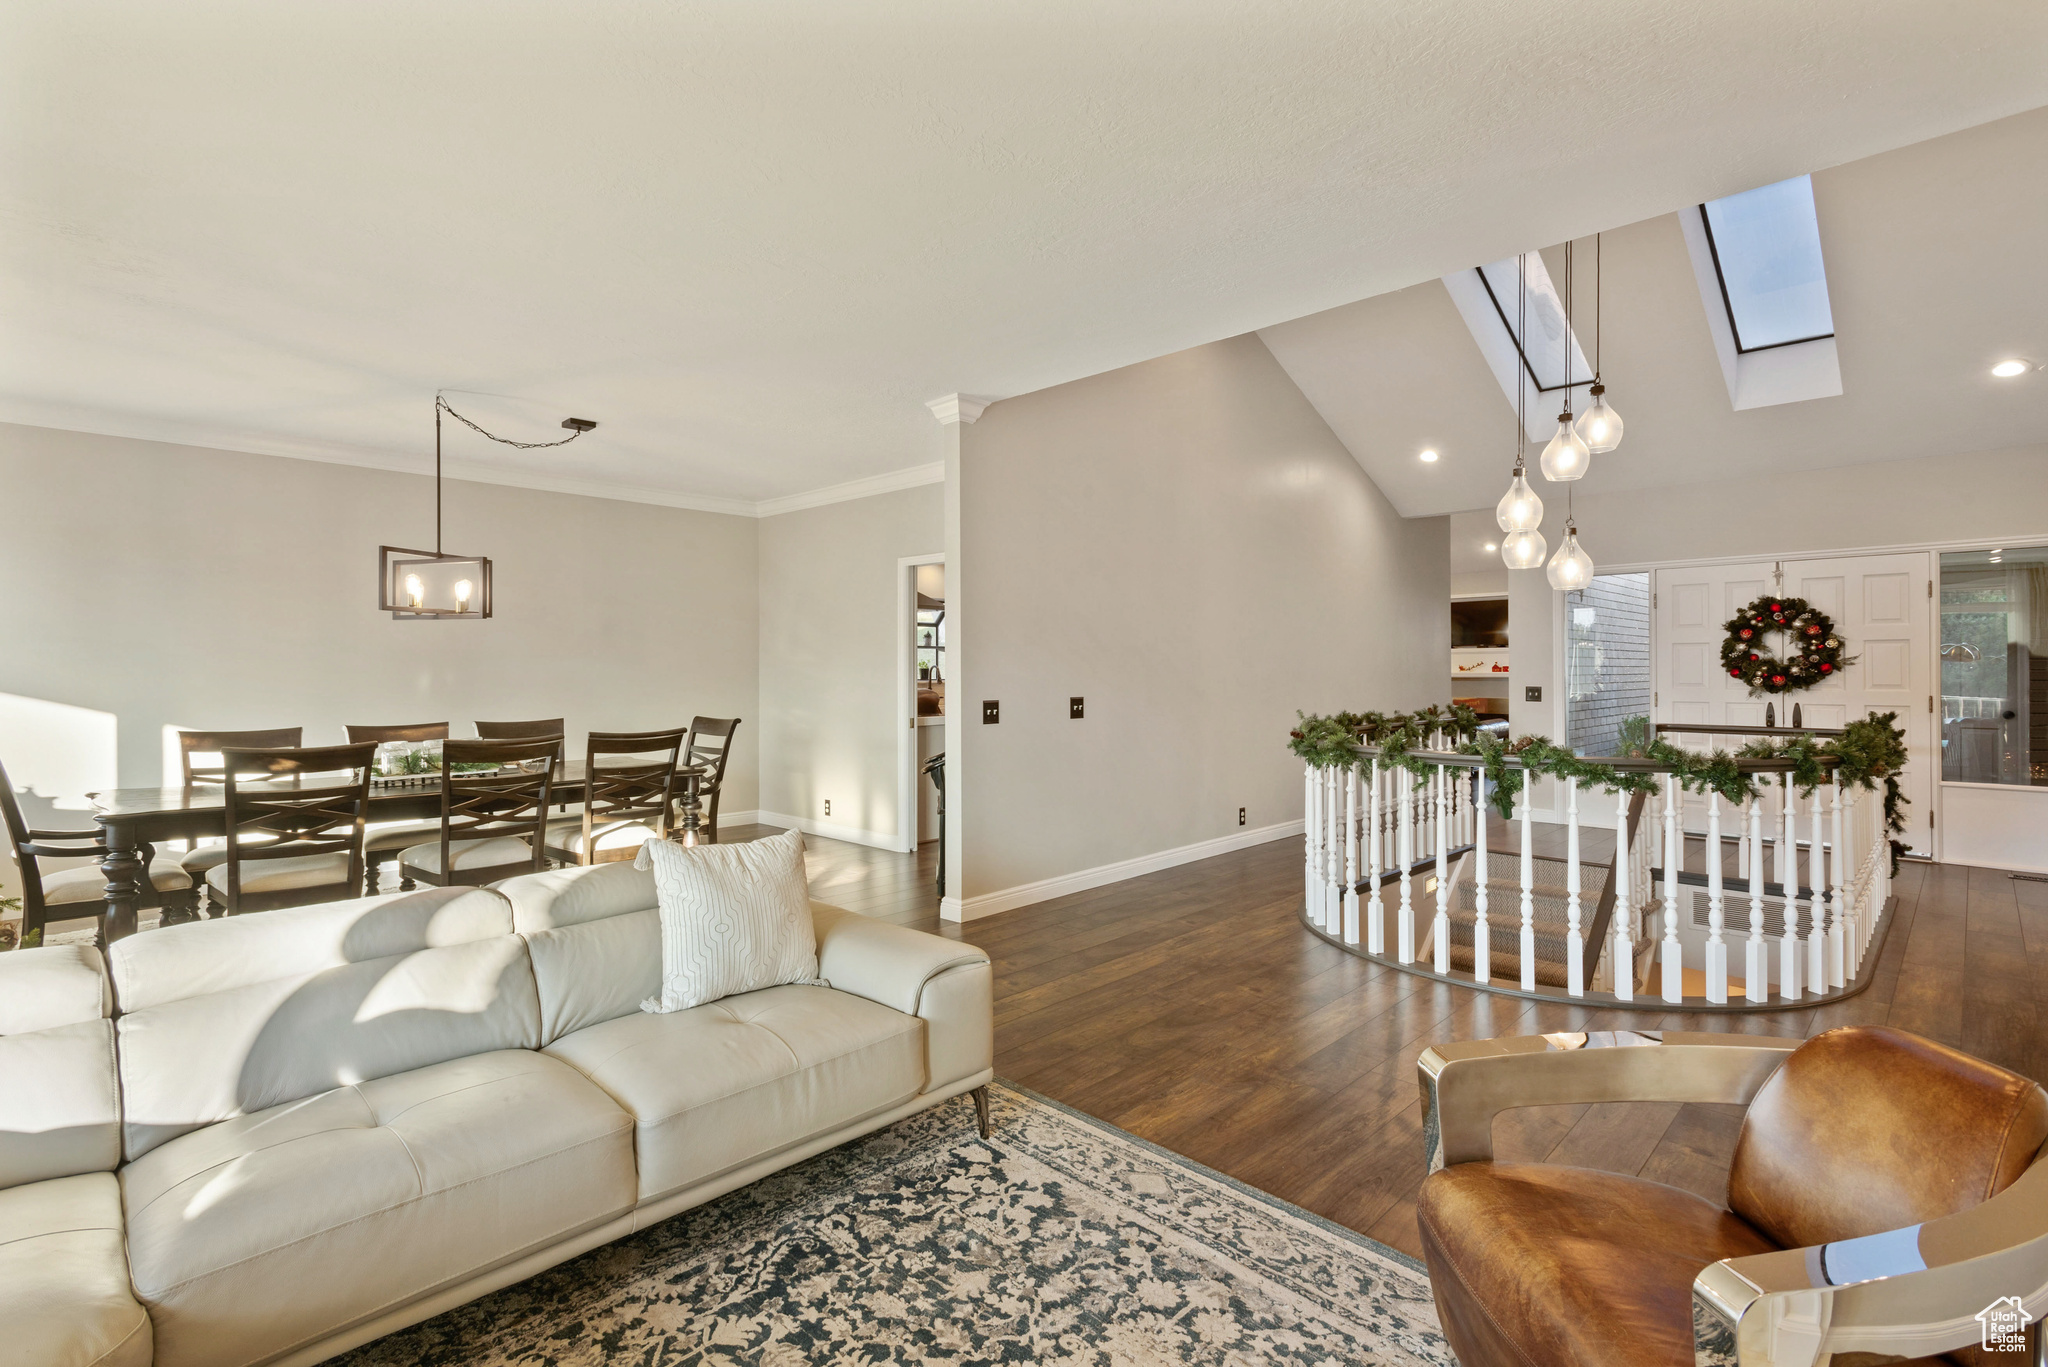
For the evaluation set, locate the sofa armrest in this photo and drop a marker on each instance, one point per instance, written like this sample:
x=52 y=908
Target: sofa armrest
x=1916 y=1291
x=1465 y=1085
x=947 y=984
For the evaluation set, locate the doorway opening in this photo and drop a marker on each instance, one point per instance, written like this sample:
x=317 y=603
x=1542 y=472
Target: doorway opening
x=922 y=673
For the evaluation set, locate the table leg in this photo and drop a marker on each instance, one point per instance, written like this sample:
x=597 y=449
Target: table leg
x=693 y=810
x=123 y=868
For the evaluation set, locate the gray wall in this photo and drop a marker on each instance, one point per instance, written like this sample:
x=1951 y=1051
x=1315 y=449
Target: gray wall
x=1185 y=544
x=151 y=585
x=830 y=656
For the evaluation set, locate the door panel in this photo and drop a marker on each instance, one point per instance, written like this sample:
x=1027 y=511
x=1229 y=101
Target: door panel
x=1880 y=608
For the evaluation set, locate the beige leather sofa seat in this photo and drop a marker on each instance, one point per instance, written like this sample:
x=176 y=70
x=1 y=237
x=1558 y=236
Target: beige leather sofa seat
x=63 y=1266
x=333 y=1111
x=719 y=1085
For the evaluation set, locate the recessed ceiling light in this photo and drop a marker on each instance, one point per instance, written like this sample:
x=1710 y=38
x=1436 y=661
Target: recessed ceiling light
x=1429 y=457
x=1491 y=546
x=2005 y=370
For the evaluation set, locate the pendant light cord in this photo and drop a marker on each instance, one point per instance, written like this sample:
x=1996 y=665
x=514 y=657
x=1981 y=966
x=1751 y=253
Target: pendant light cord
x=441 y=405
x=1521 y=334
x=1599 y=304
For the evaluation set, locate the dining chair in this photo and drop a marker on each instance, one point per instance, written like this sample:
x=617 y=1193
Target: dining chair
x=192 y=745
x=626 y=801
x=385 y=840
x=377 y=735
x=530 y=730
x=73 y=893
x=712 y=758
x=493 y=823
x=290 y=843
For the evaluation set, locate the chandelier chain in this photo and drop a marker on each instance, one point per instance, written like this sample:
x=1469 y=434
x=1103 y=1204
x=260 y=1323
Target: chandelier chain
x=442 y=405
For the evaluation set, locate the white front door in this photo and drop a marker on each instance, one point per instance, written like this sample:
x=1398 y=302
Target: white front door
x=1881 y=607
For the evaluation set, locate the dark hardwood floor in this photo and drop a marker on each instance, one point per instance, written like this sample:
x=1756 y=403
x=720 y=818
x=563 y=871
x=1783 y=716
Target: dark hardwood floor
x=1191 y=1008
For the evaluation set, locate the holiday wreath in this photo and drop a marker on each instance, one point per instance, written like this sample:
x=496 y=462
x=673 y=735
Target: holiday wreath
x=1816 y=651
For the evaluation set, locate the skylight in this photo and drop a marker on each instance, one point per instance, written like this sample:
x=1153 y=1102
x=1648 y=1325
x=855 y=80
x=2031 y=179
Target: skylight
x=1766 y=250
x=1543 y=352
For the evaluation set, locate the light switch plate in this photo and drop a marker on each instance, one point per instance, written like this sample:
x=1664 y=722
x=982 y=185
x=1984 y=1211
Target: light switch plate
x=1073 y=709
x=1532 y=693
x=991 y=712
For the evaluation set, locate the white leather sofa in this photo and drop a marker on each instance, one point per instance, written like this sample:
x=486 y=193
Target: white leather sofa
x=338 y=1120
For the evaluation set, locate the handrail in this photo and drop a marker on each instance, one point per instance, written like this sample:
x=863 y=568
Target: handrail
x=1621 y=764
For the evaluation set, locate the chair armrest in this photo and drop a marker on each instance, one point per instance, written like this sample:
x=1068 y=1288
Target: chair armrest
x=1465 y=1085
x=947 y=984
x=65 y=835
x=42 y=851
x=1915 y=1291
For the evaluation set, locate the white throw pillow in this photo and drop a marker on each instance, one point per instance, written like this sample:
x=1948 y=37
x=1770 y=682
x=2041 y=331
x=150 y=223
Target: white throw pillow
x=734 y=918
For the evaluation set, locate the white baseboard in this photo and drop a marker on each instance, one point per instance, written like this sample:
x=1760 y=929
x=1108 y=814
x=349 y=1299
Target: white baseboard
x=1023 y=895
x=825 y=829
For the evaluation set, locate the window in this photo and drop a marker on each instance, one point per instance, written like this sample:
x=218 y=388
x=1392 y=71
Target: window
x=1766 y=250
x=1607 y=660
x=1543 y=351
x=1994 y=666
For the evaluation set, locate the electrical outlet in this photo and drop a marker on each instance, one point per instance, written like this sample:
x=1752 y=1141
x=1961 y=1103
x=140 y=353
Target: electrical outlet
x=1073 y=709
x=1240 y=816
x=828 y=806
x=1533 y=693
x=991 y=712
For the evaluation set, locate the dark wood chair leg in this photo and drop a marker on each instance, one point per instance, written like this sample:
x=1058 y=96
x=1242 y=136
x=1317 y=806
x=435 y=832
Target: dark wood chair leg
x=981 y=1120
x=712 y=824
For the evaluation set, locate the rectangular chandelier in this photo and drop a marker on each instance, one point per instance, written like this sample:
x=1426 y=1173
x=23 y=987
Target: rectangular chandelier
x=428 y=585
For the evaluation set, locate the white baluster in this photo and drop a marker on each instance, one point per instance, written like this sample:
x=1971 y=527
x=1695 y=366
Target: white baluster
x=1482 y=935
x=1310 y=855
x=1441 y=932
x=1375 y=912
x=1852 y=904
x=1756 y=956
x=1674 y=851
x=1622 y=967
x=1717 y=945
x=1789 y=949
x=1528 y=945
x=1333 y=887
x=1574 y=939
x=1351 y=854
x=1817 y=879
x=1405 y=918
x=1838 y=904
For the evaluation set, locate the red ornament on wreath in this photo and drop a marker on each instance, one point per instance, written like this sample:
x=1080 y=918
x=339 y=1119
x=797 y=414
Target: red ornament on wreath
x=1814 y=650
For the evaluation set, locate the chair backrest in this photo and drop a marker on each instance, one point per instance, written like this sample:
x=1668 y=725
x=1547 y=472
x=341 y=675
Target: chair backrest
x=192 y=743
x=706 y=729
x=520 y=730
x=26 y=851
x=1865 y=1129
x=221 y=1018
x=19 y=845
x=629 y=776
x=509 y=800
x=378 y=735
x=291 y=802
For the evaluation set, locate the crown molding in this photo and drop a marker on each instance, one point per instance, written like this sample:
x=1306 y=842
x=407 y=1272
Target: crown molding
x=64 y=417
x=957 y=408
x=911 y=478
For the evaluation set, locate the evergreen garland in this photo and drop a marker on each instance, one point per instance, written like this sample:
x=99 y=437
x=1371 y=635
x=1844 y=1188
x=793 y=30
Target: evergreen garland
x=1867 y=751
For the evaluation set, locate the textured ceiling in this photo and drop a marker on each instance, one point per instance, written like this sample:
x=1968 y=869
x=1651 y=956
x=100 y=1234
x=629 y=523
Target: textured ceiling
x=751 y=239
x=1935 y=270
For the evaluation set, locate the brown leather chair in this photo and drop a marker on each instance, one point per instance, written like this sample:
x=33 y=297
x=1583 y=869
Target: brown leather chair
x=1883 y=1192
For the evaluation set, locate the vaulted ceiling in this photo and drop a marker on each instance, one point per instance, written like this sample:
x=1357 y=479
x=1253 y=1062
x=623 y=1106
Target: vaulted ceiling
x=1936 y=270
x=751 y=239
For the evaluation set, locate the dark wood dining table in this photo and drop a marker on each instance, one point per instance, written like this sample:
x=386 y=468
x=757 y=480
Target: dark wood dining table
x=136 y=820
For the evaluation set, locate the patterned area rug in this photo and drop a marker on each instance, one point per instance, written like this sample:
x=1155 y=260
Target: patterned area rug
x=1060 y=1239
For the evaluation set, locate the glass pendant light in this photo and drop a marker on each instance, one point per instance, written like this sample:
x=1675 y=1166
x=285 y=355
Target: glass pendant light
x=1600 y=428
x=1519 y=510
x=1565 y=458
x=1522 y=550
x=1571 y=567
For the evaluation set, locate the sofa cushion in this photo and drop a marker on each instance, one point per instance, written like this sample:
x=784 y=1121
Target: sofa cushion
x=1866 y=1128
x=60 y=1110
x=273 y=1229
x=1531 y=1263
x=223 y=1018
x=65 y=1275
x=731 y=1081
x=734 y=918
x=55 y=985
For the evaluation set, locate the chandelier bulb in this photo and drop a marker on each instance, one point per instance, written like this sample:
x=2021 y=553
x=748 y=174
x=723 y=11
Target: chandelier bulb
x=1571 y=568
x=1566 y=457
x=1522 y=550
x=1519 y=509
x=1600 y=426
